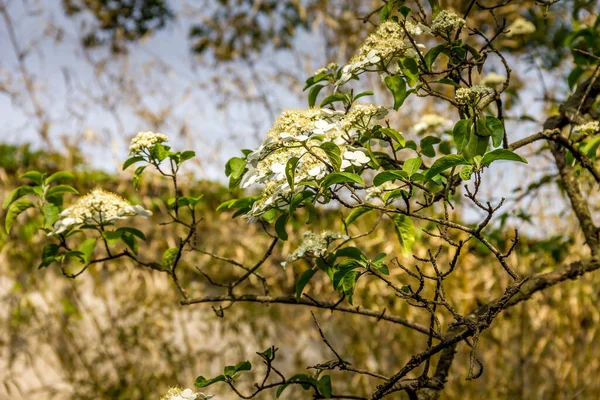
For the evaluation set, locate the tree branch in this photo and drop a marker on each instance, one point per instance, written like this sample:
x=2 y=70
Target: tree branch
x=292 y=300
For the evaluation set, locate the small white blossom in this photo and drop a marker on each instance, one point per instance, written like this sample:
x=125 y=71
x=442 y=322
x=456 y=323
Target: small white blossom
x=185 y=394
x=493 y=80
x=377 y=192
x=433 y=123
x=446 y=22
x=389 y=40
x=332 y=67
x=97 y=208
x=145 y=140
x=357 y=158
x=589 y=128
x=472 y=95
x=314 y=245
x=299 y=133
x=520 y=27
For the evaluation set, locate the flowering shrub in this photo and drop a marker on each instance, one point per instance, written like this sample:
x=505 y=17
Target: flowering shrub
x=346 y=152
x=98 y=208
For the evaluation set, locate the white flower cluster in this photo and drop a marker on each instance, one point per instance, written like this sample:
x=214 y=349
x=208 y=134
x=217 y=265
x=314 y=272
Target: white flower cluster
x=388 y=41
x=493 y=80
x=432 y=123
x=184 y=394
x=446 y=22
x=314 y=245
x=332 y=67
x=145 y=140
x=520 y=27
x=472 y=95
x=589 y=128
x=300 y=133
x=97 y=208
x=377 y=192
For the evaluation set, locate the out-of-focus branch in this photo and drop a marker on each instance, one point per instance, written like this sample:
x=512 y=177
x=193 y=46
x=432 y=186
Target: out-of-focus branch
x=292 y=300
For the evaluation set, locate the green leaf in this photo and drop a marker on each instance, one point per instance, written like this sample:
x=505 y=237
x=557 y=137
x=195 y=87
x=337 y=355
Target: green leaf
x=332 y=99
x=575 y=75
x=60 y=189
x=159 y=152
x=234 y=169
x=397 y=86
x=314 y=79
x=444 y=163
x=14 y=210
x=350 y=252
x=74 y=254
x=495 y=126
x=363 y=94
x=348 y=284
x=481 y=125
x=269 y=216
x=64 y=175
x=235 y=166
x=341 y=177
x=391 y=175
x=435 y=7
x=49 y=253
x=296 y=378
x=462 y=133
x=231 y=370
x=355 y=214
x=379 y=257
x=384 y=13
x=112 y=236
x=427 y=145
x=133 y=231
x=313 y=93
x=87 y=249
x=333 y=154
x=50 y=212
x=280 y=227
x=412 y=165
x=299 y=198
x=394 y=194
x=410 y=69
x=405 y=230
x=186 y=155
x=132 y=160
x=242 y=203
x=290 y=171
x=394 y=135
x=130 y=241
x=35 y=176
x=477 y=146
x=448 y=81
x=501 y=154
x=404 y=10
x=590 y=147
x=268 y=354
x=202 y=382
x=303 y=281
x=465 y=172
x=343 y=269
x=16 y=194
x=169 y=256
x=324 y=386
x=137 y=175
x=432 y=54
